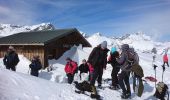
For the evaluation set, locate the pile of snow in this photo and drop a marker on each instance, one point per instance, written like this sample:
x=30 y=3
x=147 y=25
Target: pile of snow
x=17 y=86
x=8 y=29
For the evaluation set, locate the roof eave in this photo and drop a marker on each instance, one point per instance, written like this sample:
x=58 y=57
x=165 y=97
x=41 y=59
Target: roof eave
x=38 y=44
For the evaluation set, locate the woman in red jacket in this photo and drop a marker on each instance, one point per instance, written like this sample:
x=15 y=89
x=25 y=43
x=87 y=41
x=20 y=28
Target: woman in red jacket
x=165 y=60
x=70 y=69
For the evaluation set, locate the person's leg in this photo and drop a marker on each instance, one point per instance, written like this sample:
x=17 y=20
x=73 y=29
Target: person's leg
x=69 y=78
x=114 y=77
x=80 y=75
x=94 y=77
x=163 y=64
x=126 y=80
x=13 y=68
x=99 y=79
x=7 y=67
x=121 y=81
x=167 y=64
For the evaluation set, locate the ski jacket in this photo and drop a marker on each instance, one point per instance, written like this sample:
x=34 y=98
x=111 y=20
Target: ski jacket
x=112 y=59
x=35 y=67
x=70 y=67
x=84 y=68
x=165 y=58
x=11 y=59
x=98 y=57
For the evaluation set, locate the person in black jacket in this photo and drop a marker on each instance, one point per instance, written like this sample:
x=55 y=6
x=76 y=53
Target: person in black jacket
x=112 y=60
x=98 y=59
x=11 y=59
x=35 y=66
x=83 y=68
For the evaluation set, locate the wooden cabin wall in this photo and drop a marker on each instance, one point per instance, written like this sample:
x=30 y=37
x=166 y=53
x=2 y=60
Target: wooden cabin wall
x=27 y=51
x=61 y=45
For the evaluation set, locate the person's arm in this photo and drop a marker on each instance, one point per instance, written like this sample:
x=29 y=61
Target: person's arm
x=16 y=59
x=39 y=65
x=4 y=60
x=122 y=59
x=74 y=65
x=91 y=55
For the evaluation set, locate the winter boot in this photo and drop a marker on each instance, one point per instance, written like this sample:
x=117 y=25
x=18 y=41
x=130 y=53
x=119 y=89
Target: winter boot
x=99 y=86
x=124 y=96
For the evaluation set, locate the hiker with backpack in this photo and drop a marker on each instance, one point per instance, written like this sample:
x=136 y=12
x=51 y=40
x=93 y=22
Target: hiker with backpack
x=98 y=60
x=83 y=68
x=129 y=62
x=112 y=60
x=70 y=69
x=35 y=66
x=11 y=59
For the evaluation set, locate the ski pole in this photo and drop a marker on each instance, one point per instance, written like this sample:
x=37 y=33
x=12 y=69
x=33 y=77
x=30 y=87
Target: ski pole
x=163 y=67
x=155 y=73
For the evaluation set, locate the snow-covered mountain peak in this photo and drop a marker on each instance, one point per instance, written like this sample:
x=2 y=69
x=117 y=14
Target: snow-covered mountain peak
x=9 y=29
x=98 y=34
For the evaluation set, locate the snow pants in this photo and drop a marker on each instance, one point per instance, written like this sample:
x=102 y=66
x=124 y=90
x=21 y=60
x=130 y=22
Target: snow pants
x=11 y=67
x=97 y=75
x=70 y=78
x=124 y=80
x=114 y=76
x=166 y=63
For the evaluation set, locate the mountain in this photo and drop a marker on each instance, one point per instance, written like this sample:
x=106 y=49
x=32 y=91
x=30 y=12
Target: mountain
x=139 y=41
x=9 y=29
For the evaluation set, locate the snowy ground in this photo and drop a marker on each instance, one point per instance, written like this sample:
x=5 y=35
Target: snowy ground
x=22 y=86
x=52 y=85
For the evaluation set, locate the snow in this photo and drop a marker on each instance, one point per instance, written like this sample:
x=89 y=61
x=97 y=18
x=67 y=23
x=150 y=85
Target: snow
x=53 y=85
x=8 y=29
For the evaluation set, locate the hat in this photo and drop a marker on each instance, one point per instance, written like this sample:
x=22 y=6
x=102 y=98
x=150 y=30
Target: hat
x=68 y=58
x=125 y=47
x=104 y=44
x=11 y=47
x=113 y=49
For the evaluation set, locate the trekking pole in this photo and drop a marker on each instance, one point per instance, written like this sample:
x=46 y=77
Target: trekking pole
x=163 y=67
x=155 y=72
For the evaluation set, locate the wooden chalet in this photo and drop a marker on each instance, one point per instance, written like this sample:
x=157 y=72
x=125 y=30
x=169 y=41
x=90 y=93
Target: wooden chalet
x=46 y=44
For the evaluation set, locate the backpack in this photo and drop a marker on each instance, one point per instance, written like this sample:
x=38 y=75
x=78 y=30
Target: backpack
x=132 y=58
x=161 y=91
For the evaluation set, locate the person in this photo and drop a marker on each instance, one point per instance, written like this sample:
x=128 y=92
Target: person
x=35 y=66
x=83 y=68
x=165 y=60
x=98 y=60
x=125 y=72
x=70 y=69
x=11 y=59
x=112 y=60
x=154 y=51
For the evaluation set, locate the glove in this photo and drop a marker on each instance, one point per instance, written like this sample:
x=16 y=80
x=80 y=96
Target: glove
x=163 y=67
x=154 y=66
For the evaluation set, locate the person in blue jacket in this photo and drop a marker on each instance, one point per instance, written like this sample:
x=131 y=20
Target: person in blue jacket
x=35 y=66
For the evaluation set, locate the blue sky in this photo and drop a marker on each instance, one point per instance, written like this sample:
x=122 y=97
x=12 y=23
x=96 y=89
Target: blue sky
x=109 y=17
